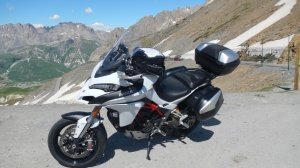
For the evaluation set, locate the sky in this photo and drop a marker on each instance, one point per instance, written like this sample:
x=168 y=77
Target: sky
x=99 y=14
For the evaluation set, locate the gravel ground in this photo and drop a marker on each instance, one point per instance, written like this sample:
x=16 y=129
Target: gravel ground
x=256 y=129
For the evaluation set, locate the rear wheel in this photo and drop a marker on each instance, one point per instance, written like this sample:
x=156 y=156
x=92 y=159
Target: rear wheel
x=180 y=130
x=87 y=152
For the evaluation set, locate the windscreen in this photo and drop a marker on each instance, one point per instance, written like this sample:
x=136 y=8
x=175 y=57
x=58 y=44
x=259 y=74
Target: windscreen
x=113 y=59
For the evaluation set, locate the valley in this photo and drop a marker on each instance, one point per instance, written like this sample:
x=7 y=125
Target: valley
x=33 y=58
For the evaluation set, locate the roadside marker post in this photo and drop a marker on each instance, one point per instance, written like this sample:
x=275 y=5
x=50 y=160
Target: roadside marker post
x=262 y=52
x=289 y=52
x=296 y=78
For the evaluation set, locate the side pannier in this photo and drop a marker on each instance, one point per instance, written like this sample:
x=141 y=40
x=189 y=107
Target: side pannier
x=205 y=102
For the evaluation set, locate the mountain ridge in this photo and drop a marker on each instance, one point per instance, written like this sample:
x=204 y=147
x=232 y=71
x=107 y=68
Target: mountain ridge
x=18 y=35
x=23 y=42
x=219 y=21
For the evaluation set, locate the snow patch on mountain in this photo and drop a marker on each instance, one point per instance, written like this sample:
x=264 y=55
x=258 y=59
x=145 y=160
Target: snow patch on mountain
x=61 y=97
x=39 y=99
x=272 y=47
x=208 y=2
x=276 y=16
x=167 y=53
x=59 y=93
x=191 y=54
x=277 y=43
x=161 y=42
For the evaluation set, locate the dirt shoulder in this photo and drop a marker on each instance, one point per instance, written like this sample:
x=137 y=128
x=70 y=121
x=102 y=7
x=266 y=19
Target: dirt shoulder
x=255 y=78
x=246 y=78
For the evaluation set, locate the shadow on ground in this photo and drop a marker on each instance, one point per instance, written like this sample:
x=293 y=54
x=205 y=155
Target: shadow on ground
x=120 y=141
x=285 y=88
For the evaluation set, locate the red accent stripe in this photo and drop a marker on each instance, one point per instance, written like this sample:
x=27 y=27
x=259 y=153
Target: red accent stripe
x=139 y=115
x=154 y=107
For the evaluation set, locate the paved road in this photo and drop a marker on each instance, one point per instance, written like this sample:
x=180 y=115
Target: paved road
x=56 y=88
x=251 y=130
x=292 y=67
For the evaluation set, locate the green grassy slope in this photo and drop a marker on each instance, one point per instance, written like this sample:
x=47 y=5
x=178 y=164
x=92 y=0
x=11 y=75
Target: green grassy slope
x=44 y=62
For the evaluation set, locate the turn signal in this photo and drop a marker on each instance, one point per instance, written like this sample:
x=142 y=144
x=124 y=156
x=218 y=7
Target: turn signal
x=95 y=112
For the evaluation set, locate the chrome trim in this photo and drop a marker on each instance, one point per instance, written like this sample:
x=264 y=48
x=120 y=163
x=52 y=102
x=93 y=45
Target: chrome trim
x=227 y=56
x=203 y=45
x=211 y=104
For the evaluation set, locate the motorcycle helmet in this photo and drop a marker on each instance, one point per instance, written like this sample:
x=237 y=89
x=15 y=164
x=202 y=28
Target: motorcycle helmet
x=148 y=60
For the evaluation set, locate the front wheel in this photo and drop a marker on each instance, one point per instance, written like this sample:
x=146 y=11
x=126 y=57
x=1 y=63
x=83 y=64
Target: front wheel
x=87 y=152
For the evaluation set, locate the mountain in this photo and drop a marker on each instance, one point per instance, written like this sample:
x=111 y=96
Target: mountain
x=145 y=26
x=37 y=54
x=43 y=62
x=18 y=35
x=243 y=22
x=237 y=24
x=33 y=55
x=165 y=19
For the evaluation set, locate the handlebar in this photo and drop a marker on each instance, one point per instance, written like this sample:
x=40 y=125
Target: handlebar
x=131 y=77
x=122 y=75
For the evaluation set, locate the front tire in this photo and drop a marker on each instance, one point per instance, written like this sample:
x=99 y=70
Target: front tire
x=63 y=154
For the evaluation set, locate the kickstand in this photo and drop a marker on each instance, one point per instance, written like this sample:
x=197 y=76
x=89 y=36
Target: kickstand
x=149 y=143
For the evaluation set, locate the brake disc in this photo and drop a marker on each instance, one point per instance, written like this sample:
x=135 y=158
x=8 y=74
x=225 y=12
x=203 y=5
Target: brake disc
x=65 y=143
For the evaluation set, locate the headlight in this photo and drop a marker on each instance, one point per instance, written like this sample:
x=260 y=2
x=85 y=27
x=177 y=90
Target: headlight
x=106 y=87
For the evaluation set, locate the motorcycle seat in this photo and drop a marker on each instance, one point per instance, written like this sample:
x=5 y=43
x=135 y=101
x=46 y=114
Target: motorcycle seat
x=179 y=83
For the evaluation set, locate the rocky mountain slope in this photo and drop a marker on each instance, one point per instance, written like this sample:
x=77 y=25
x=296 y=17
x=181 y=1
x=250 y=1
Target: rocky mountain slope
x=43 y=62
x=145 y=26
x=67 y=45
x=220 y=21
x=38 y=54
x=223 y=21
x=18 y=35
x=149 y=24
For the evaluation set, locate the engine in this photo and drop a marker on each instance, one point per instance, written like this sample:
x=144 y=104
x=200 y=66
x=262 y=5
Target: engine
x=148 y=116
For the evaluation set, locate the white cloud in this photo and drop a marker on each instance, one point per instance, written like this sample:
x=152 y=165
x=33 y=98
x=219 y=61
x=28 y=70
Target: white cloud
x=72 y=11
x=88 y=10
x=9 y=7
x=100 y=26
x=38 y=25
x=54 y=17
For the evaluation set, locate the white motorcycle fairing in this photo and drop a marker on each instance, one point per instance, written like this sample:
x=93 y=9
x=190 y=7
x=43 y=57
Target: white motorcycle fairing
x=82 y=122
x=142 y=99
x=128 y=111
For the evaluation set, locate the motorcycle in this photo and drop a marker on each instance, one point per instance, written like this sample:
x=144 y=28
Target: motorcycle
x=142 y=99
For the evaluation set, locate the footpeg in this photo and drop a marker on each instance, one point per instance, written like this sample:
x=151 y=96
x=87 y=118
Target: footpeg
x=161 y=132
x=185 y=125
x=180 y=117
x=181 y=121
x=157 y=130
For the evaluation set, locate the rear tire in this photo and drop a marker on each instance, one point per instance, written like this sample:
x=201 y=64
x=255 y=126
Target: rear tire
x=181 y=131
x=99 y=143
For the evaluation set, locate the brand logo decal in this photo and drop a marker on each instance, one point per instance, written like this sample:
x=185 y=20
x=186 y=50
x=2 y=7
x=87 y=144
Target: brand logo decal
x=125 y=93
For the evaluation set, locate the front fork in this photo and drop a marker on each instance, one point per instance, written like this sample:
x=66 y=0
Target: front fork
x=91 y=121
